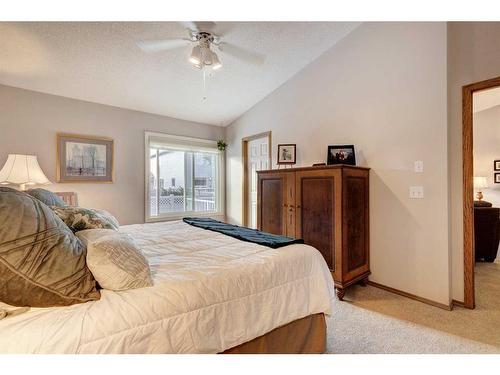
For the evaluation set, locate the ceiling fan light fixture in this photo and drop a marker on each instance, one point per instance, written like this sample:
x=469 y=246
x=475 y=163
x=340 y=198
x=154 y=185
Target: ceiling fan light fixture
x=216 y=62
x=196 y=56
x=207 y=56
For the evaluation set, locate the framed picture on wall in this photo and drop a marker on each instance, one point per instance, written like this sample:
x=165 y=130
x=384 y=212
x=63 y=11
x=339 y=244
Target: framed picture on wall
x=287 y=154
x=341 y=155
x=83 y=158
x=496 y=165
x=497 y=178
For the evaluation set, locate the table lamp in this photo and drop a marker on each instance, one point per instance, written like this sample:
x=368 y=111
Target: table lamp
x=22 y=170
x=479 y=184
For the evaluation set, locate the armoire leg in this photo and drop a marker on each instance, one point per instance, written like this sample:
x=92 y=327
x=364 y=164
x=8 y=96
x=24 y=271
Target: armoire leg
x=340 y=293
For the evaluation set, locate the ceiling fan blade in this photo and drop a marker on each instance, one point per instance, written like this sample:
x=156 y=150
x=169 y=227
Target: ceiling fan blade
x=222 y=29
x=206 y=25
x=162 y=45
x=242 y=53
x=190 y=25
x=199 y=25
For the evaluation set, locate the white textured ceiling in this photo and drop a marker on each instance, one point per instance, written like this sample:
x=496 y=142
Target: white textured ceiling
x=486 y=99
x=100 y=62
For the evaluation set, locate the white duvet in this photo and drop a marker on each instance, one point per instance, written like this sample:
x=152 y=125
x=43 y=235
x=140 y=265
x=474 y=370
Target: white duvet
x=211 y=292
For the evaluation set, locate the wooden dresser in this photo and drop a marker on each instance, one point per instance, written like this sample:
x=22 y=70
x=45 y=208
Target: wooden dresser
x=328 y=207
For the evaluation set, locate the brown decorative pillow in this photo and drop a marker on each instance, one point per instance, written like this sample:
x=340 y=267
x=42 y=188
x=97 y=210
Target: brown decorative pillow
x=79 y=218
x=42 y=263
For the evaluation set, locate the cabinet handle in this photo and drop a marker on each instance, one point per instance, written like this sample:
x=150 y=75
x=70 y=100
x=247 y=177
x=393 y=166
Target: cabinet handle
x=298 y=206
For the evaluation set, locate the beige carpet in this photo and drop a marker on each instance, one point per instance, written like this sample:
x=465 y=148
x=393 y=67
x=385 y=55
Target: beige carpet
x=371 y=320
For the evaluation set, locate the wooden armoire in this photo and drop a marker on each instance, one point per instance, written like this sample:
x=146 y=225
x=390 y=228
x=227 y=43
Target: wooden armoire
x=328 y=207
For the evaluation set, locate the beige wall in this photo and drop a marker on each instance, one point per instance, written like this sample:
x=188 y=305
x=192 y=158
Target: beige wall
x=473 y=55
x=487 y=149
x=29 y=122
x=383 y=89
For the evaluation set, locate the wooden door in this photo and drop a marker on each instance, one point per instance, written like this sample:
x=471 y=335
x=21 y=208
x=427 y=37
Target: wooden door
x=316 y=195
x=272 y=202
x=258 y=159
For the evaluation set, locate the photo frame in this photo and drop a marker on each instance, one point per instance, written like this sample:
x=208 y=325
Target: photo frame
x=341 y=154
x=82 y=158
x=287 y=153
x=496 y=165
x=497 y=178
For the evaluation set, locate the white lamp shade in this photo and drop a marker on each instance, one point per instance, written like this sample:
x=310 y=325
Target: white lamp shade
x=22 y=170
x=480 y=182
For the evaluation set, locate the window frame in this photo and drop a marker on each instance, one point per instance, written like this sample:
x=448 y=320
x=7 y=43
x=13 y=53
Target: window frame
x=186 y=141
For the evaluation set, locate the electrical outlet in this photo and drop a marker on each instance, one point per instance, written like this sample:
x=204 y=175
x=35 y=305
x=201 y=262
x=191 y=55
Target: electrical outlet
x=416 y=192
x=418 y=166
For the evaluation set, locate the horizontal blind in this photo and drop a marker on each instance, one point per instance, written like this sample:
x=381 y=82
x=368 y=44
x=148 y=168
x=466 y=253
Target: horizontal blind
x=164 y=141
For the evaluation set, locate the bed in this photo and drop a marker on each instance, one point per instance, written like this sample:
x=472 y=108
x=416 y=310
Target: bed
x=212 y=294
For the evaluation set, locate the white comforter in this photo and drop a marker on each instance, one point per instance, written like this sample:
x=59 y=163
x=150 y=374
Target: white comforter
x=211 y=292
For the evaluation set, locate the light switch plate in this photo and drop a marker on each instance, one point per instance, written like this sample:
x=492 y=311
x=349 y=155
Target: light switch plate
x=416 y=192
x=418 y=166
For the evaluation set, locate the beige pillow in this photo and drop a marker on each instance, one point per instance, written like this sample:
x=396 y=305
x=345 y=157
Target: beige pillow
x=115 y=260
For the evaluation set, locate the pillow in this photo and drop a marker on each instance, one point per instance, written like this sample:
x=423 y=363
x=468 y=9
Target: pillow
x=115 y=260
x=42 y=263
x=110 y=218
x=78 y=218
x=47 y=197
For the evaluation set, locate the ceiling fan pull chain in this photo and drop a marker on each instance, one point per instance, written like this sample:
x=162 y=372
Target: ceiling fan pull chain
x=204 y=83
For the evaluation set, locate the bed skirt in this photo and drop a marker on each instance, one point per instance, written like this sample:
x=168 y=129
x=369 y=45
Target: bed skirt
x=302 y=336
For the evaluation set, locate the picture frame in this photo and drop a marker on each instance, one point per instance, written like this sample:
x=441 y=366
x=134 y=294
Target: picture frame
x=497 y=178
x=496 y=165
x=341 y=154
x=82 y=158
x=287 y=153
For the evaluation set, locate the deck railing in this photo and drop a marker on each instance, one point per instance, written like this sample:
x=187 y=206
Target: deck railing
x=175 y=203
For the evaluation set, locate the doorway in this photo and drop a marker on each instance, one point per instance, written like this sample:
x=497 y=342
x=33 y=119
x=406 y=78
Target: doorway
x=468 y=184
x=256 y=156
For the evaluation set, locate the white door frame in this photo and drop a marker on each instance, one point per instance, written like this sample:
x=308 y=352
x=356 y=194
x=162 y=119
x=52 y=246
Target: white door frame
x=244 y=148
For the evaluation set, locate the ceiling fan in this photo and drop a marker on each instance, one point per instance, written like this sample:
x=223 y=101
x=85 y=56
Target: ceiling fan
x=203 y=54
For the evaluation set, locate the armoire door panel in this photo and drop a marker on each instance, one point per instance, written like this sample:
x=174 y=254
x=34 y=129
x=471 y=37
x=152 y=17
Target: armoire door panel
x=272 y=205
x=354 y=228
x=315 y=205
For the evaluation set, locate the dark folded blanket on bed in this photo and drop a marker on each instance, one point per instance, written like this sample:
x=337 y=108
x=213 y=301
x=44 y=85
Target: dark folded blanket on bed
x=244 y=234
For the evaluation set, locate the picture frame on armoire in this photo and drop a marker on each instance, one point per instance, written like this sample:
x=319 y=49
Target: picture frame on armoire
x=341 y=154
x=287 y=153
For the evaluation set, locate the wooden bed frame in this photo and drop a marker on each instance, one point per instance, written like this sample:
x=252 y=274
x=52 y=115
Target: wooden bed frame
x=302 y=336
x=69 y=197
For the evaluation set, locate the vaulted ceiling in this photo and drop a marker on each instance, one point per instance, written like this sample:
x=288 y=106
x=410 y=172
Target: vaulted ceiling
x=101 y=62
